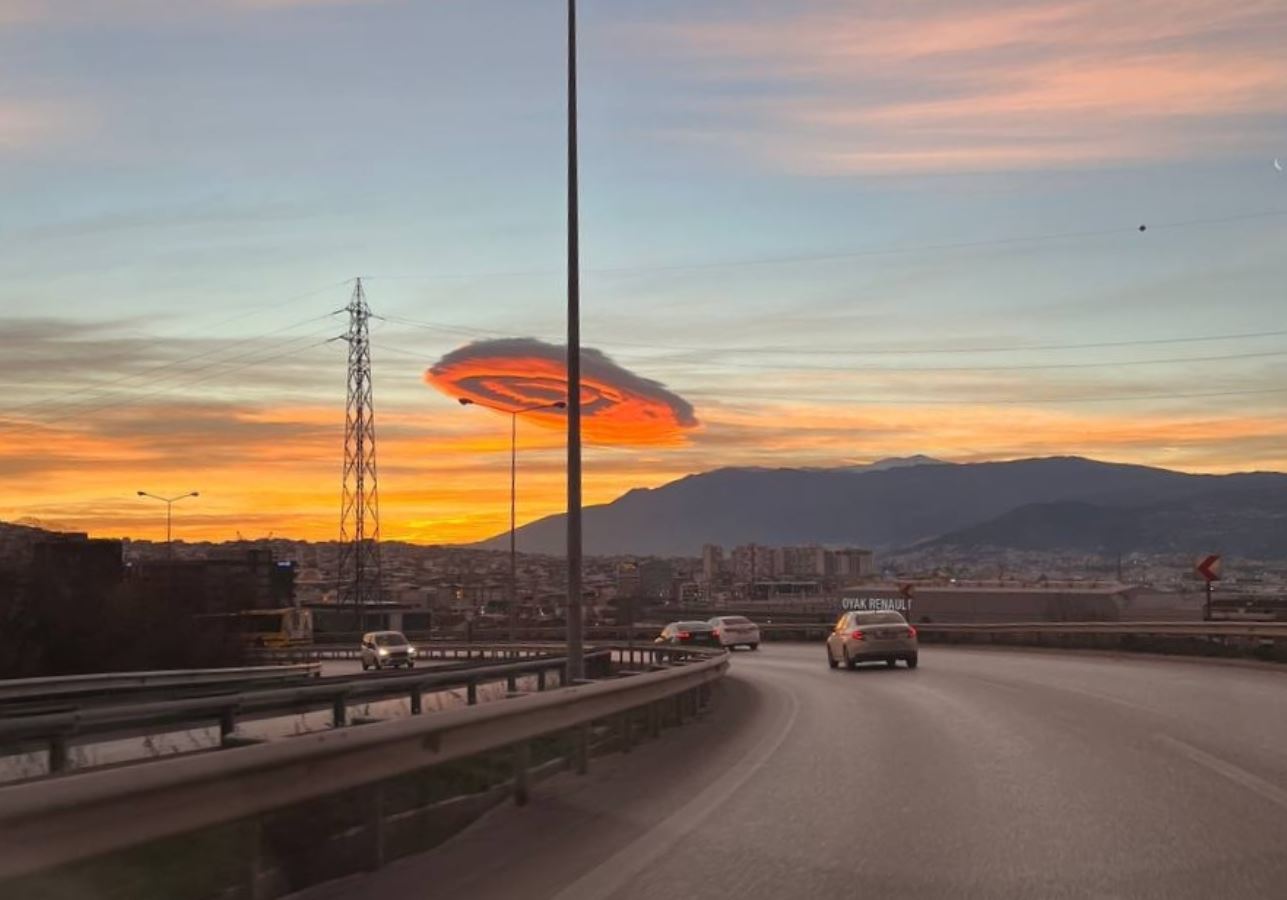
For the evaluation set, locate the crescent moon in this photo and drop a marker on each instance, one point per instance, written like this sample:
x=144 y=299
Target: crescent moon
x=1278 y=165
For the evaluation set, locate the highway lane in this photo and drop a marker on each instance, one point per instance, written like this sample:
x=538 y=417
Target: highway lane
x=985 y=773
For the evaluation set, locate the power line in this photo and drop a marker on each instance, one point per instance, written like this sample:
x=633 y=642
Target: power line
x=1023 y=367
x=881 y=351
x=1028 y=401
x=1135 y=229
x=260 y=309
x=80 y=410
x=102 y=388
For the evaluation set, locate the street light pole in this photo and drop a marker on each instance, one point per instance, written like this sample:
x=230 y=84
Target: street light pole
x=576 y=662
x=513 y=528
x=513 y=494
x=169 y=514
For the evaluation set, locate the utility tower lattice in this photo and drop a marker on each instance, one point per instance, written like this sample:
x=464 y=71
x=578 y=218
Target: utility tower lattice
x=359 y=568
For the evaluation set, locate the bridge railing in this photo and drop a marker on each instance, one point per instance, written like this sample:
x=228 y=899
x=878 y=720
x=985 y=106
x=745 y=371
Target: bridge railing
x=77 y=687
x=56 y=822
x=26 y=697
x=57 y=731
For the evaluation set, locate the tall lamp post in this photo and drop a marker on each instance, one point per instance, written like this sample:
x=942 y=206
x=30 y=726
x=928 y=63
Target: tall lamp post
x=576 y=660
x=513 y=485
x=169 y=513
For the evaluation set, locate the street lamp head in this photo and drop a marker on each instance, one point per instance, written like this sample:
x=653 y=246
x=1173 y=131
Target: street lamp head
x=465 y=401
x=142 y=493
x=195 y=494
x=560 y=404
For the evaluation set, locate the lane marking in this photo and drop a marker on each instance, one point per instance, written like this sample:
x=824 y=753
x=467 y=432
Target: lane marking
x=624 y=866
x=1238 y=775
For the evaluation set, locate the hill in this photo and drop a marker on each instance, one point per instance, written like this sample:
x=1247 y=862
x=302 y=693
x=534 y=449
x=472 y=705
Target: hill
x=887 y=507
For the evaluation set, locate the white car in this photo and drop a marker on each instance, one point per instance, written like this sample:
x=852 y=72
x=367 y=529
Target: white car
x=861 y=637
x=736 y=631
x=387 y=649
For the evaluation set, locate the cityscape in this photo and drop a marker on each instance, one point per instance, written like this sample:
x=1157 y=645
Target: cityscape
x=603 y=451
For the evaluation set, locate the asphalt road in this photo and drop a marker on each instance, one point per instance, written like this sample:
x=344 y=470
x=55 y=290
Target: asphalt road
x=984 y=773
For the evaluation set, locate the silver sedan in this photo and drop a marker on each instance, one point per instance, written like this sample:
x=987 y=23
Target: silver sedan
x=872 y=637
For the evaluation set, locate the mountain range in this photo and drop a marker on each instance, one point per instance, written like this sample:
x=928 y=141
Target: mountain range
x=1051 y=504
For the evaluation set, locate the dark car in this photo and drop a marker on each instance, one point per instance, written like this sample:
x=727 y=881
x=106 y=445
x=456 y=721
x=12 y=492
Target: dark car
x=694 y=634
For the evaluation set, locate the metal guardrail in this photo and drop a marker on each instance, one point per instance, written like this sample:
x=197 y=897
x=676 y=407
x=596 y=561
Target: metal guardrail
x=57 y=731
x=425 y=649
x=72 y=686
x=53 y=822
x=1268 y=630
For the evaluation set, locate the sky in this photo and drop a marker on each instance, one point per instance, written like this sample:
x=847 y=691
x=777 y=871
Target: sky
x=816 y=233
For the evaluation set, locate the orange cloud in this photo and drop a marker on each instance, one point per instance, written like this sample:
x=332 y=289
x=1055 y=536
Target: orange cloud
x=444 y=474
x=618 y=407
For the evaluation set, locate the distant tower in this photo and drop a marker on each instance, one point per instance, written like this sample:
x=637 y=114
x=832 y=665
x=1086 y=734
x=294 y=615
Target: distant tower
x=359 y=563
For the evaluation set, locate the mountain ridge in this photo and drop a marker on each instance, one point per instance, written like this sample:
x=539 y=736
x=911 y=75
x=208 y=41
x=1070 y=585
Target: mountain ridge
x=884 y=508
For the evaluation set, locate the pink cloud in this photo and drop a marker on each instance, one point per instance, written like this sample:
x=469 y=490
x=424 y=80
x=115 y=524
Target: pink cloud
x=924 y=87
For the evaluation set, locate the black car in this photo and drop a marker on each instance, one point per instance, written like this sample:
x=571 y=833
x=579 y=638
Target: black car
x=694 y=634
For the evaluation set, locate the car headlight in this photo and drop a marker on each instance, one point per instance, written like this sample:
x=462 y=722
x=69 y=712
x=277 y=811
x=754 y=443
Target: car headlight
x=383 y=652
x=411 y=651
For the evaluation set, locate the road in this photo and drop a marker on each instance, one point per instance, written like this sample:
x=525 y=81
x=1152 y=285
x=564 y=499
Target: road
x=984 y=773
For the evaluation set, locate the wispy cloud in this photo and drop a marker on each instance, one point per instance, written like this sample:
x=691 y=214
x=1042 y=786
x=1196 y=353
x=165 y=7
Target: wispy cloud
x=856 y=87
x=30 y=124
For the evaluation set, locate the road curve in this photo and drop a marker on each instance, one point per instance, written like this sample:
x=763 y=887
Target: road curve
x=984 y=773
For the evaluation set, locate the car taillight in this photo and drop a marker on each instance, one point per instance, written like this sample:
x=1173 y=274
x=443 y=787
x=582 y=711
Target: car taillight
x=858 y=635
x=683 y=635
x=911 y=631
x=714 y=632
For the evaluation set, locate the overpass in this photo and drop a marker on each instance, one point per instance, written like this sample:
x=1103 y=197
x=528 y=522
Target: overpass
x=987 y=772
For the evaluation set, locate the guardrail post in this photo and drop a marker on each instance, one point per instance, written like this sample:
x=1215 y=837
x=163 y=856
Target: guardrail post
x=58 y=755
x=511 y=682
x=471 y=692
x=227 y=723
x=654 y=719
x=540 y=680
x=339 y=712
x=415 y=701
x=522 y=777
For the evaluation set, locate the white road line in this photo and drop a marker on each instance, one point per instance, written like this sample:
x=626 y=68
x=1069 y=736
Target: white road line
x=1266 y=789
x=623 y=866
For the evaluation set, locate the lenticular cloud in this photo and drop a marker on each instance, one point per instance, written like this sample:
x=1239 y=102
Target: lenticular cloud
x=617 y=406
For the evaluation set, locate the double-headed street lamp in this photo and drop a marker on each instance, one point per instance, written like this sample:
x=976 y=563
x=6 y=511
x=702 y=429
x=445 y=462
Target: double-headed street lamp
x=513 y=484
x=169 y=509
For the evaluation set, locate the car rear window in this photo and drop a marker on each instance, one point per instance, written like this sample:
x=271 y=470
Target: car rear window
x=881 y=618
x=695 y=626
x=736 y=620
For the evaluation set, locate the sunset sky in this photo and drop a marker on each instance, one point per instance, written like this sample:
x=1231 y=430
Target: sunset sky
x=815 y=233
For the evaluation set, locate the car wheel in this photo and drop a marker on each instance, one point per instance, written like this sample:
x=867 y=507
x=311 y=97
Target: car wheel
x=831 y=660
x=890 y=663
x=364 y=665
x=911 y=661
x=850 y=663
x=410 y=664
x=754 y=646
